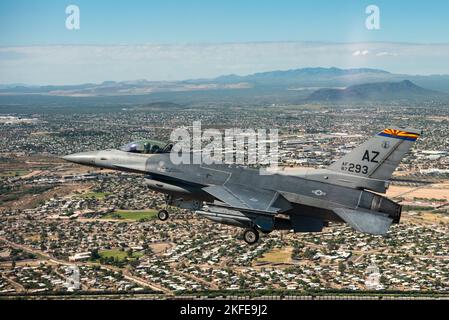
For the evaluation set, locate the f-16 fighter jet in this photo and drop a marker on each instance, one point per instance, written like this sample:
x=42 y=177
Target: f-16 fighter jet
x=347 y=191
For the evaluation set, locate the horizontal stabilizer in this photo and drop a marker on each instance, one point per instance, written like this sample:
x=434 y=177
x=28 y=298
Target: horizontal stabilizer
x=365 y=221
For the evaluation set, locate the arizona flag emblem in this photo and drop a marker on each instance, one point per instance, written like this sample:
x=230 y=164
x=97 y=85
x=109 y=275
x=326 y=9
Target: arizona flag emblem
x=398 y=134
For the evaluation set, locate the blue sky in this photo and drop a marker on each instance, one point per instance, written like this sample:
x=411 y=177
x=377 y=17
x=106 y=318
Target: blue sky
x=174 y=39
x=40 y=22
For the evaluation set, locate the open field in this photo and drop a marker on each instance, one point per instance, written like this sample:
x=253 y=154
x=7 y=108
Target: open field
x=119 y=255
x=438 y=190
x=161 y=247
x=14 y=173
x=277 y=255
x=132 y=214
x=28 y=198
x=425 y=218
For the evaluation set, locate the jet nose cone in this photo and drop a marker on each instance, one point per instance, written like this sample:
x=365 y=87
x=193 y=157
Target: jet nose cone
x=86 y=158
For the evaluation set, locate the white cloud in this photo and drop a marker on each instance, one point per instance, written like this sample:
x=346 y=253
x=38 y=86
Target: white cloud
x=386 y=53
x=360 y=53
x=72 y=64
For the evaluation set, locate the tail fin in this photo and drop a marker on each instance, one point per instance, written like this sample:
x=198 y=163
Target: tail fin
x=378 y=157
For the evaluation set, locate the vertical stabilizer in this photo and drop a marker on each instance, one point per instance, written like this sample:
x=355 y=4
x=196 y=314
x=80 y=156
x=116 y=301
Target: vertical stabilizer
x=378 y=157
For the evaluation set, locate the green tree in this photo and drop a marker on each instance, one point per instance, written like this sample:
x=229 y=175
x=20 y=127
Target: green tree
x=94 y=255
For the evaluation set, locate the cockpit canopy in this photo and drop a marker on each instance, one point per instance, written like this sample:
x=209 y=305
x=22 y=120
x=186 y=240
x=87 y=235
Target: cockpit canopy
x=147 y=147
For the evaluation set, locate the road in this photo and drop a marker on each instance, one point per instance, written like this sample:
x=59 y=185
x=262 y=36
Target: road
x=126 y=274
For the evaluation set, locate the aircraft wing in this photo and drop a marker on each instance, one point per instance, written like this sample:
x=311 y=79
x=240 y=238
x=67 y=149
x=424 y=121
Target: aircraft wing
x=365 y=220
x=244 y=197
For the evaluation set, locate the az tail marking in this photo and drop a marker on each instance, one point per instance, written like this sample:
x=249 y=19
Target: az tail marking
x=366 y=156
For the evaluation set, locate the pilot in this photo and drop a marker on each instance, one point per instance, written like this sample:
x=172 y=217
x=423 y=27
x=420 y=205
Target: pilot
x=147 y=148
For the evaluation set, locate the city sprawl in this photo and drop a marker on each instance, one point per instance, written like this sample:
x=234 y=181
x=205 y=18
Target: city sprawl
x=56 y=215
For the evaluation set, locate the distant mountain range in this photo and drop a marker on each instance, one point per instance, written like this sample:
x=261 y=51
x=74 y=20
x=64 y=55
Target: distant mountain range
x=332 y=77
x=309 y=77
x=403 y=90
x=290 y=86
